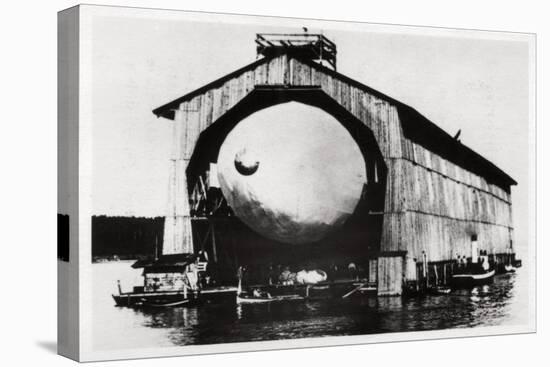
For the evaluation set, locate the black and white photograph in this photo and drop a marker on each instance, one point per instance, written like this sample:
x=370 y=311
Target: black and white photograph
x=251 y=183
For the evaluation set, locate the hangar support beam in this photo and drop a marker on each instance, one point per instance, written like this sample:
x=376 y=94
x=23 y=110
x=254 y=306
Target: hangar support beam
x=178 y=234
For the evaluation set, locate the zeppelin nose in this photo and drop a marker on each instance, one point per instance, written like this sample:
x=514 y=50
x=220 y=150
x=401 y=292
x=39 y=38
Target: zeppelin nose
x=246 y=162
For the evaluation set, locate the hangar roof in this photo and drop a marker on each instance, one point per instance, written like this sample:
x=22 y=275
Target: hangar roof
x=416 y=127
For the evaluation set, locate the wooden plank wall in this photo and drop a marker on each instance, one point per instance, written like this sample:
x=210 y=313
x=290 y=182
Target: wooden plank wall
x=431 y=204
x=390 y=275
x=435 y=206
x=178 y=235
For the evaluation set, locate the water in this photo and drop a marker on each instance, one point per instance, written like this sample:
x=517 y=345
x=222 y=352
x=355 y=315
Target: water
x=501 y=303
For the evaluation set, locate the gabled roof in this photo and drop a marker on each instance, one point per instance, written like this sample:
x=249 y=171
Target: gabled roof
x=416 y=127
x=167 y=110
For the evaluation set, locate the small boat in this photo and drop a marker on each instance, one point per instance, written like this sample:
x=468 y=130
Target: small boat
x=242 y=298
x=470 y=279
x=441 y=290
x=257 y=296
x=152 y=299
x=368 y=289
x=246 y=299
x=509 y=269
x=320 y=287
x=168 y=304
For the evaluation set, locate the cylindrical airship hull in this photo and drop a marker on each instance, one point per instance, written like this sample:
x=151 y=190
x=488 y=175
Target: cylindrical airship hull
x=291 y=173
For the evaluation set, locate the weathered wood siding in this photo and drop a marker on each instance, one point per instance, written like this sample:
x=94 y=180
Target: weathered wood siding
x=390 y=275
x=199 y=112
x=178 y=235
x=435 y=206
x=431 y=204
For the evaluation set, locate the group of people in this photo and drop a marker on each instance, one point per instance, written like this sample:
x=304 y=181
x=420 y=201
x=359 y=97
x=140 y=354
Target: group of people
x=482 y=260
x=462 y=261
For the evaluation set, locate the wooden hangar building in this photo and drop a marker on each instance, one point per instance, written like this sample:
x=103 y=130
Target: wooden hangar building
x=427 y=197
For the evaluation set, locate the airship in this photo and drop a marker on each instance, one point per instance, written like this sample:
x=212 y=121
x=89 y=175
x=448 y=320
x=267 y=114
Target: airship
x=291 y=172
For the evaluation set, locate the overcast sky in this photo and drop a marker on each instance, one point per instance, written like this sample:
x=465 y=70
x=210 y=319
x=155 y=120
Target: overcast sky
x=458 y=81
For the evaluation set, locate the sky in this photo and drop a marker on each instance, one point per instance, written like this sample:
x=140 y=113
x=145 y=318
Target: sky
x=469 y=81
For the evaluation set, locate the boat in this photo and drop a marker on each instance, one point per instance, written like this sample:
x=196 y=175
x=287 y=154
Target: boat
x=243 y=298
x=153 y=299
x=441 y=290
x=163 y=283
x=320 y=287
x=470 y=279
x=168 y=304
x=258 y=296
x=509 y=269
x=368 y=289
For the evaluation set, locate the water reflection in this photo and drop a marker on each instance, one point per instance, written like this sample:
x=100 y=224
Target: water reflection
x=229 y=322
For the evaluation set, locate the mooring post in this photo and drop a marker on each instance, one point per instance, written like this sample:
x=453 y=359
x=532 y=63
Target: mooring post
x=417 y=279
x=214 y=249
x=119 y=287
x=425 y=269
x=475 y=249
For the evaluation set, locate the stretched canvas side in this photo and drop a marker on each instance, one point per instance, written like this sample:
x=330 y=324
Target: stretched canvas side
x=67 y=215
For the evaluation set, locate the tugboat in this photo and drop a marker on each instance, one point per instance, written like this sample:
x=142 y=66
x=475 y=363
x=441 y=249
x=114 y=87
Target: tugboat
x=479 y=272
x=471 y=279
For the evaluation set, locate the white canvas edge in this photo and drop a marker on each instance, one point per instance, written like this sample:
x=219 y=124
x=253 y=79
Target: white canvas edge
x=88 y=12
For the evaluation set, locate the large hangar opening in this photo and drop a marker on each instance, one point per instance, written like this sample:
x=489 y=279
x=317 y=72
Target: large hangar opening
x=291 y=172
x=287 y=184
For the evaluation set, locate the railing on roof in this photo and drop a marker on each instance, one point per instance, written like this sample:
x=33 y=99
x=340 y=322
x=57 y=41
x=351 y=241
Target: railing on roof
x=312 y=46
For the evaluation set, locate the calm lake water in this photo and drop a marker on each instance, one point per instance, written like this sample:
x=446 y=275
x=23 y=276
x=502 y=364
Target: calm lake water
x=502 y=303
